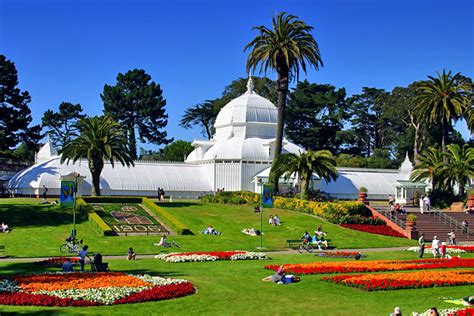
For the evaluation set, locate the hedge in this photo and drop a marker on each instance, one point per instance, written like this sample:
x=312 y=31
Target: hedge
x=175 y=224
x=92 y=216
x=332 y=211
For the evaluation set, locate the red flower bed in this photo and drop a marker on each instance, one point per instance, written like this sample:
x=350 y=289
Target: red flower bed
x=22 y=298
x=159 y=293
x=223 y=255
x=57 y=261
x=373 y=266
x=410 y=280
x=463 y=312
x=374 y=229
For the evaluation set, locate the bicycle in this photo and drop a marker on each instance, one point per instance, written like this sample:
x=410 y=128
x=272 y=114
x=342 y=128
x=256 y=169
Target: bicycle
x=305 y=246
x=72 y=245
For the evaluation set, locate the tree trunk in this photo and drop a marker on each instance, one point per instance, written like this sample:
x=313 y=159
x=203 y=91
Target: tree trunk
x=416 y=142
x=443 y=140
x=304 y=188
x=461 y=187
x=282 y=90
x=95 y=167
x=132 y=142
x=208 y=131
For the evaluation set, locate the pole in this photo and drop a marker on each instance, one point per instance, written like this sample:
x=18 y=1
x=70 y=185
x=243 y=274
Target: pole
x=73 y=233
x=261 y=221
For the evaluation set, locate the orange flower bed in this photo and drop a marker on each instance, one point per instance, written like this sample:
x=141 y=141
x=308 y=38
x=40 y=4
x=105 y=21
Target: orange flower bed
x=393 y=281
x=52 y=282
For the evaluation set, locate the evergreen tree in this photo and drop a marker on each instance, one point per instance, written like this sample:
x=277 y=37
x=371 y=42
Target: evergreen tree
x=138 y=104
x=62 y=125
x=15 y=115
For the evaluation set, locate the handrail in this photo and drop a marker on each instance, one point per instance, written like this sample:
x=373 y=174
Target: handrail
x=457 y=225
x=394 y=219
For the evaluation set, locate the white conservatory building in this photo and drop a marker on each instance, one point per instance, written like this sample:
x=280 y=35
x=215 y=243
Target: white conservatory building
x=238 y=157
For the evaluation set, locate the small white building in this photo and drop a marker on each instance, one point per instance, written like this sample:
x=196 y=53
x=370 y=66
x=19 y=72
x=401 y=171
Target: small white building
x=238 y=157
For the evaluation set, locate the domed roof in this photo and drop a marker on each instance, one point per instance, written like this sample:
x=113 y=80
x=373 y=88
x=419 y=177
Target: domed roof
x=249 y=107
x=239 y=148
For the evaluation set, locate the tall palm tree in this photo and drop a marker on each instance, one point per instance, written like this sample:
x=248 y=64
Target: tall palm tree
x=430 y=166
x=286 y=48
x=442 y=99
x=320 y=162
x=101 y=139
x=460 y=167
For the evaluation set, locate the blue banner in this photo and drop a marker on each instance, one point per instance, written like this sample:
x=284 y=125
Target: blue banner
x=67 y=193
x=267 y=195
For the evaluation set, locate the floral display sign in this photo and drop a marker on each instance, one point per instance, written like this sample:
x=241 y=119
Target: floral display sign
x=89 y=289
x=210 y=256
x=373 y=266
x=406 y=280
x=128 y=219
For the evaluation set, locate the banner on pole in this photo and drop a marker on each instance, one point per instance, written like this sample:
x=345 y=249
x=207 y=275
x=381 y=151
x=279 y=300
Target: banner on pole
x=267 y=195
x=66 y=198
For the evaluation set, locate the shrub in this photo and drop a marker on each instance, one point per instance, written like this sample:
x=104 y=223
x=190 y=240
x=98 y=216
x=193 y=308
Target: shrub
x=363 y=189
x=411 y=218
x=359 y=220
x=442 y=198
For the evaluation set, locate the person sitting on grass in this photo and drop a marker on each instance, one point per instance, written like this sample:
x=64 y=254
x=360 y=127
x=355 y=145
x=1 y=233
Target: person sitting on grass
x=67 y=266
x=163 y=242
x=131 y=254
x=277 y=277
x=99 y=265
x=257 y=209
x=276 y=220
x=4 y=228
x=270 y=220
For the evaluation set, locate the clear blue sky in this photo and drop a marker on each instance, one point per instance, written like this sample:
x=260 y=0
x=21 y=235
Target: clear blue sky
x=67 y=50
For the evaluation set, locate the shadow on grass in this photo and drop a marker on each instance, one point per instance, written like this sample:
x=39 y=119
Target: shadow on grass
x=177 y=204
x=30 y=312
x=30 y=215
x=164 y=274
x=22 y=268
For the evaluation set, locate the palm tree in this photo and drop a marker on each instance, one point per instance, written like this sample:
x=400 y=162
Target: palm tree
x=320 y=162
x=443 y=99
x=285 y=48
x=101 y=139
x=430 y=166
x=460 y=167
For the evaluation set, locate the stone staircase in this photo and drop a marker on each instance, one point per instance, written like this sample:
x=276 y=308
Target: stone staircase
x=433 y=225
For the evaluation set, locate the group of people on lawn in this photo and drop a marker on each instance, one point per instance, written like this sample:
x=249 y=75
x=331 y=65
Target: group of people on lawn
x=439 y=249
x=4 y=228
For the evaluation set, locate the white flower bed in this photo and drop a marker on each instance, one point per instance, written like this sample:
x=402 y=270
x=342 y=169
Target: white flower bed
x=430 y=250
x=175 y=257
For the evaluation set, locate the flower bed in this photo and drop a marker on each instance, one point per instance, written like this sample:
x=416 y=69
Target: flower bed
x=373 y=266
x=411 y=280
x=89 y=289
x=374 y=229
x=210 y=256
x=449 y=312
x=449 y=249
x=339 y=254
x=57 y=261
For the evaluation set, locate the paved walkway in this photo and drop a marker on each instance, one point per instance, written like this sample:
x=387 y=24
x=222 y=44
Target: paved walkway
x=282 y=252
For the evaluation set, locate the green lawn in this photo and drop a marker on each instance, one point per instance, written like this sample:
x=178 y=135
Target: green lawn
x=236 y=288
x=226 y=287
x=39 y=230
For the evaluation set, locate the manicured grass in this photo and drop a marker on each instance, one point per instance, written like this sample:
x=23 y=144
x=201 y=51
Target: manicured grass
x=39 y=230
x=236 y=288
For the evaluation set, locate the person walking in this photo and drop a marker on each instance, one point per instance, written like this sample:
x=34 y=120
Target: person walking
x=421 y=243
x=435 y=246
x=82 y=257
x=465 y=226
x=45 y=192
x=427 y=203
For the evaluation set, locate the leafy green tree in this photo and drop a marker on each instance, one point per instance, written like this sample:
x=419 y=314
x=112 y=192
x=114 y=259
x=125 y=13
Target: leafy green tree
x=203 y=115
x=430 y=166
x=62 y=125
x=442 y=99
x=101 y=139
x=177 y=150
x=138 y=104
x=315 y=116
x=320 y=162
x=15 y=115
x=460 y=167
x=346 y=160
x=368 y=126
x=285 y=48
